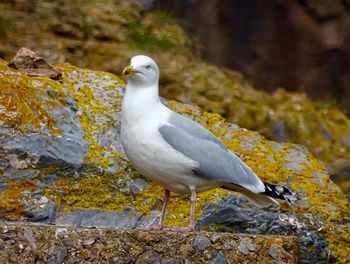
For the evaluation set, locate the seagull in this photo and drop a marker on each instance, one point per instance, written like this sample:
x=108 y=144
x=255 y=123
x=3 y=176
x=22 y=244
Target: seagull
x=178 y=153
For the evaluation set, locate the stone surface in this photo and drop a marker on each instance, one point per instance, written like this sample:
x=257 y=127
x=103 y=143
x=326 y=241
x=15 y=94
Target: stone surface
x=201 y=243
x=26 y=243
x=33 y=65
x=75 y=172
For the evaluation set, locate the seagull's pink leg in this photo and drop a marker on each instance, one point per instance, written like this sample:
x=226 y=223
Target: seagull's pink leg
x=193 y=208
x=160 y=224
x=164 y=207
x=192 y=214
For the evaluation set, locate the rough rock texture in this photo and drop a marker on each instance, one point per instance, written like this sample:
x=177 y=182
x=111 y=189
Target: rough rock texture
x=103 y=35
x=61 y=162
x=25 y=243
x=33 y=65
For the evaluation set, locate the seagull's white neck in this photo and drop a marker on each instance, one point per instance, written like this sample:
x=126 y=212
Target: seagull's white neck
x=142 y=96
x=141 y=103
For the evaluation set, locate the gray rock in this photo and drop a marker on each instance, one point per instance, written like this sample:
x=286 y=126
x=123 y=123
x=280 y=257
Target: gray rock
x=57 y=255
x=43 y=211
x=297 y=154
x=296 y=167
x=89 y=242
x=276 y=146
x=137 y=186
x=243 y=248
x=71 y=218
x=274 y=251
x=262 y=221
x=39 y=157
x=54 y=148
x=201 y=243
x=247 y=146
x=149 y=257
x=148 y=220
x=220 y=258
x=17 y=175
x=95 y=218
x=98 y=218
x=28 y=234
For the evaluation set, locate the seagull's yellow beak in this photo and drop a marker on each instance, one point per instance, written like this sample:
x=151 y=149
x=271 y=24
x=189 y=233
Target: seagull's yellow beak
x=129 y=71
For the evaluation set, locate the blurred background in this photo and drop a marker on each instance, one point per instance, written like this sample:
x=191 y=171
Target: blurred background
x=280 y=67
x=301 y=45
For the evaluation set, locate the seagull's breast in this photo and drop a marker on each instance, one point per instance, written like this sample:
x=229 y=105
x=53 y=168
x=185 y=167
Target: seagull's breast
x=152 y=156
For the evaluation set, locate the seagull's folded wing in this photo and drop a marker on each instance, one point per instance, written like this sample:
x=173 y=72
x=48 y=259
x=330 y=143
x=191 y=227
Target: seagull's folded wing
x=215 y=161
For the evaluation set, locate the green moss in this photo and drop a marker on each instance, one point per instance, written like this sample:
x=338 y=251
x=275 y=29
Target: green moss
x=329 y=104
x=140 y=38
x=165 y=17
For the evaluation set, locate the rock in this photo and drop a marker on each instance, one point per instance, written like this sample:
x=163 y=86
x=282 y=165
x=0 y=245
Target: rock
x=220 y=258
x=243 y=248
x=95 y=245
x=149 y=257
x=28 y=234
x=137 y=186
x=56 y=254
x=201 y=243
x=92 y=218
x=76 y=173
x=274 y=252
x=262 y=222
x=33 y=65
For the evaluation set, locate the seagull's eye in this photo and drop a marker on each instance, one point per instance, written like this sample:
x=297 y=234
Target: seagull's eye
x=148 y=67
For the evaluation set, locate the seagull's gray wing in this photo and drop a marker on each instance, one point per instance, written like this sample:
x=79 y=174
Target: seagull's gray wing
x=193 y=128
x=215 y=161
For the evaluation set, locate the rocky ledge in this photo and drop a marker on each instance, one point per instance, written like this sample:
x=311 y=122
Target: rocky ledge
x=61 y=162
x=29 y=243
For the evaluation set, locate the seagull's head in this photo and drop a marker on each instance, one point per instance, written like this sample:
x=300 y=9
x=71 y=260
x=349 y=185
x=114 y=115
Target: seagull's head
x=142 y=71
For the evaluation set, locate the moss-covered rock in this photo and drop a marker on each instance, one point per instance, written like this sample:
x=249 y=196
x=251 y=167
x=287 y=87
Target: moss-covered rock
x=103 y=35
x=61 y=162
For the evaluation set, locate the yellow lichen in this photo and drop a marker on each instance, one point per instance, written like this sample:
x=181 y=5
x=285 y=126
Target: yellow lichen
x=108 y=191
x=19 y=104
x=323 y=197
x=10 y=199
x=90 y=107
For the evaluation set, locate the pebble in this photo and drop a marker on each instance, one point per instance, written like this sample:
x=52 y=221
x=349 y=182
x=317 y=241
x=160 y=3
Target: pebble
x=220 y=258
x=274 y=251
x=201 y=243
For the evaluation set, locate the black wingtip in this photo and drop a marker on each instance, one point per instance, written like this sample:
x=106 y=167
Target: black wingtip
x=280 y=192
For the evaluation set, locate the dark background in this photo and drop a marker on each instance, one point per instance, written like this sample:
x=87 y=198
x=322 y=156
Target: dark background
x=301 y=45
